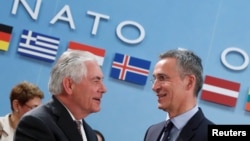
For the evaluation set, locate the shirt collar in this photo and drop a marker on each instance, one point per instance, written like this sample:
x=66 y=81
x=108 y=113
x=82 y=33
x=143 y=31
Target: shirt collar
x=181 y=120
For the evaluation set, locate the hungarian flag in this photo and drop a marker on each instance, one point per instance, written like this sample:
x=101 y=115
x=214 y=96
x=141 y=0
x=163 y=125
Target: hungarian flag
x=248 y=101
x=98 y=52
x=220 y=91
x=5 y=36
x=130 y=69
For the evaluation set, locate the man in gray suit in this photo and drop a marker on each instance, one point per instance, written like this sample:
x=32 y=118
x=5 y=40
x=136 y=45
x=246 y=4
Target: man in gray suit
x=76 y=85
x=177 y=80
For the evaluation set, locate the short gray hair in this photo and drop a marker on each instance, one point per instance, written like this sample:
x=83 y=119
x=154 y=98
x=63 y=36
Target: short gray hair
x=70 y=64
x=188 y=63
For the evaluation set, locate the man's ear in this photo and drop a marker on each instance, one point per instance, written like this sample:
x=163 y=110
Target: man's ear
x=68 y=85
x=190 y=81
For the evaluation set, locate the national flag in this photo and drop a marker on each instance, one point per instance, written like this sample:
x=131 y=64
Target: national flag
x=38 y=46
x=131 y=69
x=5 y=36
x=98 y=52
x=220 y=91
x=248 y=101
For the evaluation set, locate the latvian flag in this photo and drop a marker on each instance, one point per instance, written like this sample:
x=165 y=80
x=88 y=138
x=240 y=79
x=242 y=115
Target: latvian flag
x=130 y=69
x=248 y=101
x=220 y=91
x=5 y=36
x=99 y=52
x=38 y=46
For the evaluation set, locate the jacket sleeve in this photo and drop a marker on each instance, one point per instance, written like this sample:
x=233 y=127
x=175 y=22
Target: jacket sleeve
x=32 y=129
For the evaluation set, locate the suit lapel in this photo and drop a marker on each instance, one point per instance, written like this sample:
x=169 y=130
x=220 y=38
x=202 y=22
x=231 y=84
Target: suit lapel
x=91 y=136
x=65 y=122
x=69 y=128
x=154 y=132
x=190 y=128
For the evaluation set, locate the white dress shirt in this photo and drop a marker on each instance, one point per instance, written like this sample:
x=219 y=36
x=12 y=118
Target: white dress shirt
x=82 y=129
x=180 y=121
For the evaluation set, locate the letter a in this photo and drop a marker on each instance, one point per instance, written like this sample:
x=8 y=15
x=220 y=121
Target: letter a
x=60 y=16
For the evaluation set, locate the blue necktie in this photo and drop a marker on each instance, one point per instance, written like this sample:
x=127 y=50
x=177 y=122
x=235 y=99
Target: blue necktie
x=167 y=130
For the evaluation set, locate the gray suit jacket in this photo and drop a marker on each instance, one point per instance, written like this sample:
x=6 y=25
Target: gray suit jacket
x=196 y=129
x=50 y=122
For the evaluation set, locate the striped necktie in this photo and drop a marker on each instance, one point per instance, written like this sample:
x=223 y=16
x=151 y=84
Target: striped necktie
x=78 y=124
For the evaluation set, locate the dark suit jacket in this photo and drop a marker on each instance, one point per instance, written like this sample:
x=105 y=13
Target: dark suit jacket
x=196 y=129
x=50 y=122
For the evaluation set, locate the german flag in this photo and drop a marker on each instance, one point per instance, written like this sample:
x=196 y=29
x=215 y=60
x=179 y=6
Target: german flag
x=5 y=36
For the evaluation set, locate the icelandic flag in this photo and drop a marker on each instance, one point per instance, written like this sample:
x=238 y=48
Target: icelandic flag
x=131 y=69
x=220 y=91
x=5 y=36
x=248 y=101
x=98 y=52
x=38 y=46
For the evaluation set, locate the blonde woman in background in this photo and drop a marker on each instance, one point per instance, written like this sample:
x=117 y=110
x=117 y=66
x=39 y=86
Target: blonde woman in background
x=23 y=97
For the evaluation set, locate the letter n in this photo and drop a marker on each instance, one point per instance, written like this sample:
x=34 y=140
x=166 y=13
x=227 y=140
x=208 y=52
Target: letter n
x=33 y=14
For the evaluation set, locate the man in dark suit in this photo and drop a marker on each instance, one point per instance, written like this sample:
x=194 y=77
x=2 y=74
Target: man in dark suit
x=76 y=85
x=177 y=80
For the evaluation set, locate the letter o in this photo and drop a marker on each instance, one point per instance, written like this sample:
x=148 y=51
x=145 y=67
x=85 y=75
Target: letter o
x=237 y=50
x=135 y=41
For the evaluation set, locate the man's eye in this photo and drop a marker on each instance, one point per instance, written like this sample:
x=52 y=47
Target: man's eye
x=162 y=78
x=97 y=80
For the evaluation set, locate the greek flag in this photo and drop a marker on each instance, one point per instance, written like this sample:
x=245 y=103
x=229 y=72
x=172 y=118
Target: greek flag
x=38 y=46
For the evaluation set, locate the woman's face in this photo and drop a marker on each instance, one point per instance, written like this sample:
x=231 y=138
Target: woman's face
x=29 y=105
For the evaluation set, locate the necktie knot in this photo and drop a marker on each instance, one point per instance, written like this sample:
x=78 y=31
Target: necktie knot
x=78 y=124
x=169 y=125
